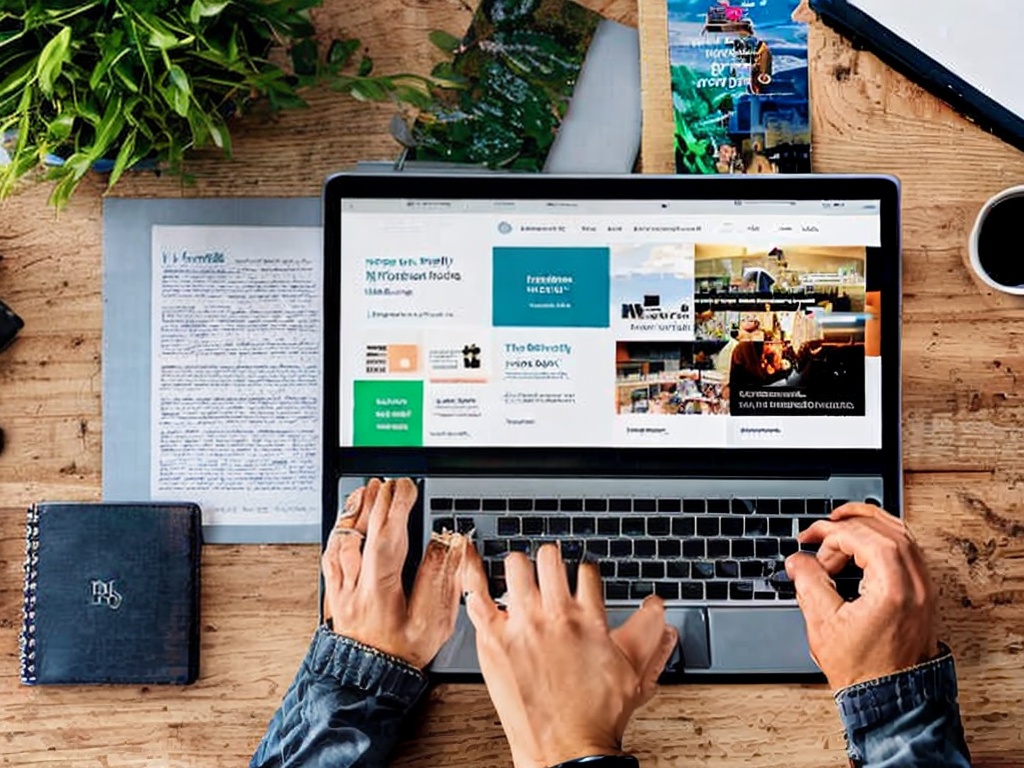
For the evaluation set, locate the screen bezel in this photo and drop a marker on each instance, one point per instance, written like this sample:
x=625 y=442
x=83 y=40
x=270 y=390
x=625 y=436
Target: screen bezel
x=883 y=268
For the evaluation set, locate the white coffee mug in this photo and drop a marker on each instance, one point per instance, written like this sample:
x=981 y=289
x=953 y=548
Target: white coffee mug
x=972 y=246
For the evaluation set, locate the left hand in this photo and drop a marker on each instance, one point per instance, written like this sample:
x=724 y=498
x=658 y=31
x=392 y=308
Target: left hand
x=363 y=595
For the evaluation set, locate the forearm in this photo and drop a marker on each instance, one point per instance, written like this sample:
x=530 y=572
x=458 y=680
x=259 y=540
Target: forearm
x=907 y=720
x=344 y=709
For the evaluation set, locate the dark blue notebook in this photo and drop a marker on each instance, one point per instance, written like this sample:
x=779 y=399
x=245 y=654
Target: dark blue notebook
x=111 y=593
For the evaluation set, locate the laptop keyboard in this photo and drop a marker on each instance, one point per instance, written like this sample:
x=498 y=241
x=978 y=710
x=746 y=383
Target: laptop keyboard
x=688 y=549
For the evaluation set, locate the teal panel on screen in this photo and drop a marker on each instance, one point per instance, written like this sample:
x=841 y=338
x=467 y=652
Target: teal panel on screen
x=551 y=287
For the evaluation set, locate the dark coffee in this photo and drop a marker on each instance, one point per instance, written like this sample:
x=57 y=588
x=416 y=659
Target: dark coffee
x=1000 y=242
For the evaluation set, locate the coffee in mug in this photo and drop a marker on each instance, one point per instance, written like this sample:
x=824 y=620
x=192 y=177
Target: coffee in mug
x=995 y=246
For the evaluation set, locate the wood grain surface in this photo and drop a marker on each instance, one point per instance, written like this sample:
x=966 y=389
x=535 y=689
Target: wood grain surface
x=963 y=438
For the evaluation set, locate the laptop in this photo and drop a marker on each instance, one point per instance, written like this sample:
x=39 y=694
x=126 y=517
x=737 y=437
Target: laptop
x=673 y=376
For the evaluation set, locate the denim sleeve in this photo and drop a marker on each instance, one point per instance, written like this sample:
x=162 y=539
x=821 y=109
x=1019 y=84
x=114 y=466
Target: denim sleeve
x=907 y=720
x=344 y=709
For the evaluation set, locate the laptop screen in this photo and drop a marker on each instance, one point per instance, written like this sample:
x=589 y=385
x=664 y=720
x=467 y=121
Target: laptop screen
x=609 y=324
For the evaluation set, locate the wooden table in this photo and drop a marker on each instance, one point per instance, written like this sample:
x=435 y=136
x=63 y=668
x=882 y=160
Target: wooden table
x=963 y=432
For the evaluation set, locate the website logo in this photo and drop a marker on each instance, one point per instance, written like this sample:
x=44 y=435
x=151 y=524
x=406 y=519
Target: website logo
x=104 y=593
x=505 y=228
x=471 y=356
x=651 y=309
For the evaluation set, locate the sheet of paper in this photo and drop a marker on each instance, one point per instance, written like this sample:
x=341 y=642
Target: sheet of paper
x=236 y=377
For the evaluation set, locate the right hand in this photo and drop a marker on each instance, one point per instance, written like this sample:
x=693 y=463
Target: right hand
x=892 y=625
x=563 y=685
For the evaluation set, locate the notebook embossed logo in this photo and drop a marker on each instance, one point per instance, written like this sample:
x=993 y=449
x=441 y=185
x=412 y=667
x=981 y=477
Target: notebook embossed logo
x=104 y=593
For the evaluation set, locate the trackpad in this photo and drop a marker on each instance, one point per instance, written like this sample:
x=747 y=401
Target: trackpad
x=692 y=625
x=759 y=640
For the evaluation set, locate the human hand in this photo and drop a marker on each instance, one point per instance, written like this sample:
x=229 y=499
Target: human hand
x=363 y=595
x=891 y=626
x=563 y=685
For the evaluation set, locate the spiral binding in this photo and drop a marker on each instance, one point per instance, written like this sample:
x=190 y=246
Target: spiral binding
x=27 y=639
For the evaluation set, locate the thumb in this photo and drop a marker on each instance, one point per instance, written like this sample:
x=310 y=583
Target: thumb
x=815 y=590
x=641 y=636
x=666 y=647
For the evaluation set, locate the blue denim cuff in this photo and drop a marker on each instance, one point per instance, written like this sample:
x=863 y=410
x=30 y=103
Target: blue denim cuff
x=365 y=668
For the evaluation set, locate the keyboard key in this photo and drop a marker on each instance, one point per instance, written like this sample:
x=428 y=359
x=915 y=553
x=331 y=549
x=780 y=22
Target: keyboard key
x=607 y=568
x=620 y=548
x=557 y=526
x=836 y=503
x=520 y=505
x=464 y=524
x=702 y=569
x=495 y=547
x=751 y=569
x=803 y=523
x=571 y=505
x=741 y=590
x=694 y=506
x=616 y=590
x=780 y=526
x=652 y=570
x=766 y=547
x=645 y=548
x=597 y=547
x=727 y=569
x=819 y=507
x=494 y=505
x=742 y=548
x=595 y=505
x=811 y=547
x=641 y=589
x=666 y=590
x=519 y=545
x=608 y=526
x=873 y=501
x=718 y=548
x=788 y=546
x=764 y=595
x=707 y=526
x=683 y=526
x=743 y=506
x=620 y=505
x=440 y=504
x=691 y=590
x=442 y=524
x=546 y=505
x=717 y=590
x=757 y=526
x=584 y=526
x=693 y=548
x=634 y=526
x=467 y=505
x=572 y=549
x=678 y=569
x=669 y=548
x=628 y=569
x=496 y=567
x=772 y=567
x=533 y=526
x=792 y=507
x=645 y=505
x=719 y=506
x=509 y=526
x=658 y=526
x=670 y=505
x=732 y=526
x=768 y=506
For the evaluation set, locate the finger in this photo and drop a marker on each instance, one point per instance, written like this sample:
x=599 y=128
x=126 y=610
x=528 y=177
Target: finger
x=402 y=501
x=435 y=593
x=852 y=510
x=379 y=510
x=551 y=578
x=589 y=593
x=664 y=651
x=831 y=559
x=873 y=546
x=368 y=498
x=482 y=611
x=350 y=559
x=641 y=635
x=350 y=511
x=815 y=590
x=331 y=568
x=522 y=585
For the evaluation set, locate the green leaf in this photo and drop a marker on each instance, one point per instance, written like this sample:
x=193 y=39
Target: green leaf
x=365 y=66
x=60 y=127
x=52 y=59
x=446 y=42
x=125 y=156
x=204 y=8
x=304 y=57
x=180 y=91
x=369 y=90
x=341 y=52
x=413 y=96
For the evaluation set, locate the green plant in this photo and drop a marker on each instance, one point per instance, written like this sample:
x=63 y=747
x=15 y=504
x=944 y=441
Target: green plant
x=125 y=81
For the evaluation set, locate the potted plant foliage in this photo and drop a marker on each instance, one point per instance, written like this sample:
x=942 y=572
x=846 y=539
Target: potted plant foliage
x=112 y=84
